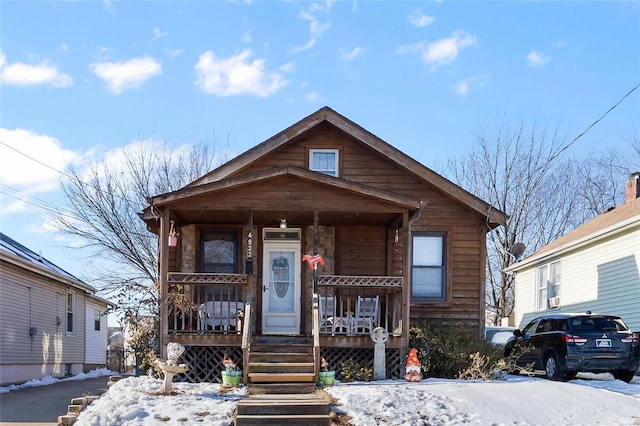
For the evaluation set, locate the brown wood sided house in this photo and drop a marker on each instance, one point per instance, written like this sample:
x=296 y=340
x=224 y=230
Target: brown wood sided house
x=395 y=241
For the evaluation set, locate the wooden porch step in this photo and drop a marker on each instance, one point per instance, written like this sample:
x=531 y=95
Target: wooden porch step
x=285 y=361
x=306 y=420
x=281 y=367
x=281 y=377
x=270 y=356
x=283 y=409
x=281 y=388
x=282 y=364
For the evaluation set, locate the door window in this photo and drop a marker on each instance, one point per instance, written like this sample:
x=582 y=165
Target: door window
x=219 y=254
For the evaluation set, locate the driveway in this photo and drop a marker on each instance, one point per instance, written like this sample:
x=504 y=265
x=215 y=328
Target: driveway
x=43 y=404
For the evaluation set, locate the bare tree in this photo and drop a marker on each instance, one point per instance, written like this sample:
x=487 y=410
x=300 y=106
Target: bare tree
x=521 y=169
x=105 y=201
x=601 y=177
x=513 y=169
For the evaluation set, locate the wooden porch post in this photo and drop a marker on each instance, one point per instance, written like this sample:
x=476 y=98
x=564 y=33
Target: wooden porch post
x=406 y=287
x=163 y=271
x=316 y=247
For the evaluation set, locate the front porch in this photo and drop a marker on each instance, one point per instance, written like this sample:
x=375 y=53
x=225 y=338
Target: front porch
x=210 y=314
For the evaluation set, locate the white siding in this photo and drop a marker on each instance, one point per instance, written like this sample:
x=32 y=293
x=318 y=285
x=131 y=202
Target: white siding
x=29 y=300
x=602 y=277
x=96 y=340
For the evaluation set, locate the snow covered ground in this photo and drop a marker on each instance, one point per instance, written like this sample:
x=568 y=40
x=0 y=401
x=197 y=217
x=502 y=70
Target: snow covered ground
x=515 y=400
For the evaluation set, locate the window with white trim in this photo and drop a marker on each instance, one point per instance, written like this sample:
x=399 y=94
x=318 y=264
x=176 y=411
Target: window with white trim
x=71 y=309
x=548 y=285
x=96 y=319
x=324 y=161
x=428 y=267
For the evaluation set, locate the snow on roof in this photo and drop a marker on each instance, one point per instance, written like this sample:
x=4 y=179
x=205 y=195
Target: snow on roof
x=8 y=245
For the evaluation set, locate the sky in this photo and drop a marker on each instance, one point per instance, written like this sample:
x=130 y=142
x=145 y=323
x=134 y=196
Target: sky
x=82 y=80
x=591 y=399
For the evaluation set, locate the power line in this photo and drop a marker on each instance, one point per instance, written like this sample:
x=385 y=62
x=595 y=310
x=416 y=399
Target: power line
x=37 y=202
x=37 y=161
x=564 y=148
x=74 y=178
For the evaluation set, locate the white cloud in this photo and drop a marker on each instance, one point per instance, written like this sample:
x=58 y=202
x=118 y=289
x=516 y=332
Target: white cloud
x=316 y=28
x=419 y=19
x=172 y=53
x=121 y=76
x=157 y=34
x=440 y=52
x=349 y=55
x=289 y=67
x=246 y=37
x=536 y=58
x=236 y=75
x=445 y=51
x=313 y=97
x=463 y=86
x=21 y=74
x=31 y=163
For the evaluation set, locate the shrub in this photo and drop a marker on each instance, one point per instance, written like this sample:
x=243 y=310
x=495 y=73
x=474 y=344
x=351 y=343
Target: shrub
x=445 y=350
x=351 y=371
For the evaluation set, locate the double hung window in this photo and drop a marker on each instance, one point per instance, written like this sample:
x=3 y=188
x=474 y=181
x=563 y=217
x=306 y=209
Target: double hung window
x=428 y=270
x=548 y=285
x=70 y=309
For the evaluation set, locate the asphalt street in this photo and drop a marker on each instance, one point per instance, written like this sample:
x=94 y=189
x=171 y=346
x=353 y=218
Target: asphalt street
x=42 y=405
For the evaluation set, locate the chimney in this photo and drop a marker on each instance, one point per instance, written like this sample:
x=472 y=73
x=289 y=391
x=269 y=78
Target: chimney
x=633 y=187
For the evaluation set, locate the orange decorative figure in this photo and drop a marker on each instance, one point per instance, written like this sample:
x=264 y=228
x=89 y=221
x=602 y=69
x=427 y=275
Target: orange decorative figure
x=412 y=372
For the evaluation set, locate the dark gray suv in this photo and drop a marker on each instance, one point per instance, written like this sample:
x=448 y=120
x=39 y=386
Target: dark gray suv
x=565 y=344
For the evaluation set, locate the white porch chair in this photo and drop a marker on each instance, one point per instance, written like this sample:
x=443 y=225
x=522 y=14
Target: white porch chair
x=219 y=313
x=366 y=316
x=327 y=312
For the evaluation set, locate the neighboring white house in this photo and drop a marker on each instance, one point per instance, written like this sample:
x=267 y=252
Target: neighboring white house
x=51 y=323
x=595 y=267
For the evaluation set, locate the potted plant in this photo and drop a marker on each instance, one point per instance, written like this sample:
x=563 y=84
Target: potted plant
x=326 y=377
x=230 y=375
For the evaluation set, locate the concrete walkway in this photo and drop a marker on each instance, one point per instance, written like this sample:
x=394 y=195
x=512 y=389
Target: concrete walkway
x=39 y=406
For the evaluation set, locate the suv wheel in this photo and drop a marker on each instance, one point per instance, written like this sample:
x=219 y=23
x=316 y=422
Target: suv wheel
x=624 y=375
x=552 y=368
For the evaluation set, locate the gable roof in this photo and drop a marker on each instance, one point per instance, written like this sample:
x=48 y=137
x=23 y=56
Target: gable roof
x=494 y=217
x=613 y=221
x=14 y=252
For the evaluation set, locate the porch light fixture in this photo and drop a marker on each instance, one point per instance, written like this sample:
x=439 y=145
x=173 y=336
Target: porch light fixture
x=283 y=224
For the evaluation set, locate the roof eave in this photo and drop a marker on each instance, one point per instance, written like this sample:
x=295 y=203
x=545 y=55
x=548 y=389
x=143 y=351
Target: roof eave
x=46 y=272
x=539 y=257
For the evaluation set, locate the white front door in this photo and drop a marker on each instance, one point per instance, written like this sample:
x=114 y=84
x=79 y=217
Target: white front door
x=281 y=287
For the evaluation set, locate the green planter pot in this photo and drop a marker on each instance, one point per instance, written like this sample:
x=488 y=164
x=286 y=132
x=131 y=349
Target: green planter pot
x=327 y=377
x=231 y=378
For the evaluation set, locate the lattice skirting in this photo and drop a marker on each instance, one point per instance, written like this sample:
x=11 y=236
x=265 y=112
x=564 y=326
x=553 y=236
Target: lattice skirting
x=205 y=362
x=395 y=362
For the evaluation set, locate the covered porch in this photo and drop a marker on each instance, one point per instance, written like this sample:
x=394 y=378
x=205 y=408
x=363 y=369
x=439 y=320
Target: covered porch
x=227 y=258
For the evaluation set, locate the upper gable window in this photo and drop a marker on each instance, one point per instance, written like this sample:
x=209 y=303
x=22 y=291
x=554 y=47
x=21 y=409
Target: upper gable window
x=324 y=161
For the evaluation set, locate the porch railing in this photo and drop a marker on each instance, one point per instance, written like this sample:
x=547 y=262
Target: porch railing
x=354 y=305
x=206 y=303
